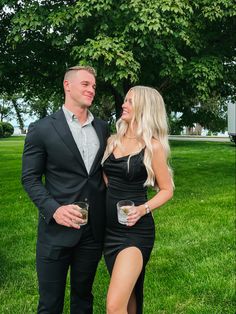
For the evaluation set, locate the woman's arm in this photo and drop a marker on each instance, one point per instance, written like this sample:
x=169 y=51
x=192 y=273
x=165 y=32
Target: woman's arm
x=163 y=180
x=162 y=175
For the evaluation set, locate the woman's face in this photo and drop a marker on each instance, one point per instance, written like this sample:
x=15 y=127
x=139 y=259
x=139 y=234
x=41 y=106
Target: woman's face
x=128 y=111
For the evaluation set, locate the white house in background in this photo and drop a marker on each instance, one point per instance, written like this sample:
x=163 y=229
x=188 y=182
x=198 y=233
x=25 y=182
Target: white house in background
x=197 y=129
x=17 y=130
x=232 y=121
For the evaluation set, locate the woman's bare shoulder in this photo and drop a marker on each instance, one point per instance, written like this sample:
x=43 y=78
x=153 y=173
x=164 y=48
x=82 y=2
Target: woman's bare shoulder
x=156 y=145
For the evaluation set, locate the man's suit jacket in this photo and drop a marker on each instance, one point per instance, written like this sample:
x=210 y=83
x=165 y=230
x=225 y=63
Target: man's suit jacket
x=54 y=174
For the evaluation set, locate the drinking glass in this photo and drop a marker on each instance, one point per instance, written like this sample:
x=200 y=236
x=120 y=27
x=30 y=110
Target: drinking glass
x=123 y=209
x=83 y=209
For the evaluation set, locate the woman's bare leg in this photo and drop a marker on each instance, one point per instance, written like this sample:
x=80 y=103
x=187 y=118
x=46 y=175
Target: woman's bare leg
x=126 y=270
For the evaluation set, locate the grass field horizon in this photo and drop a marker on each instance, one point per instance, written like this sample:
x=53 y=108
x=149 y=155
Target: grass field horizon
x=192 y=266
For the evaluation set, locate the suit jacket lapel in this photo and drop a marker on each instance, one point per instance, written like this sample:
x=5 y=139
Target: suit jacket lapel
x=62 y=128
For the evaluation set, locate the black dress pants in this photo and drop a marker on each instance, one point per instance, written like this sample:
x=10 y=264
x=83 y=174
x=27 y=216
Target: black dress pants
x=53 y=263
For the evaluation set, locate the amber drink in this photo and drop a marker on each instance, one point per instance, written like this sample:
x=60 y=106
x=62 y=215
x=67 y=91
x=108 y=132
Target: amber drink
x=123 y=209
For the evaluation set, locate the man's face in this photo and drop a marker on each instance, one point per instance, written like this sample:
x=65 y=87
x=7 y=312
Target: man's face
x=80 y=88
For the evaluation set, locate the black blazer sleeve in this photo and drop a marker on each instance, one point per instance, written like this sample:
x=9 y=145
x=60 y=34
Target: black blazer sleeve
x=33 y=169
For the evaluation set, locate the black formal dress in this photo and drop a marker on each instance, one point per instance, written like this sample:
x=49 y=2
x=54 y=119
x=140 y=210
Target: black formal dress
x=126 y=177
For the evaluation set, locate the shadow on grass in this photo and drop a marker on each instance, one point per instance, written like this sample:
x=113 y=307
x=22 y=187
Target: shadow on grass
x=3 y=269
x=12 y=272
x=197 y=144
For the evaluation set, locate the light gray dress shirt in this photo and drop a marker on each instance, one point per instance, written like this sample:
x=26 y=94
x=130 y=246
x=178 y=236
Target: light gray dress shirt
x=84 y=135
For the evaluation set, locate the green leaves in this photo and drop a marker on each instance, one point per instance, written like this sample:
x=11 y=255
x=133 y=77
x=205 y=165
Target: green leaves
x=205 y=72
x=219 y=9
x=184 y=48
x=110 y=52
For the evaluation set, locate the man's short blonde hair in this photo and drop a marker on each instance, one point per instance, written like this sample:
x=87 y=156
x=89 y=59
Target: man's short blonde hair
x=79 y=68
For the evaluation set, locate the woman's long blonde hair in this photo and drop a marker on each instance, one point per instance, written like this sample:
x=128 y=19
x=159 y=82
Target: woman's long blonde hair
x=150 y=120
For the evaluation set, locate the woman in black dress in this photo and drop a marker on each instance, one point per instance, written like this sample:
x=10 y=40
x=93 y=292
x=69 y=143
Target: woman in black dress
x=136 y=157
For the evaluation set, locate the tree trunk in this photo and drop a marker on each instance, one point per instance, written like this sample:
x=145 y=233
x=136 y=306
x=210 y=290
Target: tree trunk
x=118 y=100
x=118 y=103
x=18 y=116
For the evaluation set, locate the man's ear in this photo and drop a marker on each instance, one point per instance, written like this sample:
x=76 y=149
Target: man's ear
x=66 y=85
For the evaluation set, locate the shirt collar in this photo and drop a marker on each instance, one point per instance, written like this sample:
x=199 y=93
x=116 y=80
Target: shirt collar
x=71 y=117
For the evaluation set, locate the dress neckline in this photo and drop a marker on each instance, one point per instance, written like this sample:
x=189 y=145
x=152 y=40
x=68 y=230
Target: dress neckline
x=127 y=156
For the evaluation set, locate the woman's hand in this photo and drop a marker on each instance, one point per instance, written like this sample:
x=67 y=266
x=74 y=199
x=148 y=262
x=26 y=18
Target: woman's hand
x=136 y=213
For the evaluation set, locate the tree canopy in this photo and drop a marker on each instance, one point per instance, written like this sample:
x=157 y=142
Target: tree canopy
x=185 y=49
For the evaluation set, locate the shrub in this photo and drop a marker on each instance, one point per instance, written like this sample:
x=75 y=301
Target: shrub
x=6 y=129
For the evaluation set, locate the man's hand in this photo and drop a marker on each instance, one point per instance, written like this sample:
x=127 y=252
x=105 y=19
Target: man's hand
x=68 y=216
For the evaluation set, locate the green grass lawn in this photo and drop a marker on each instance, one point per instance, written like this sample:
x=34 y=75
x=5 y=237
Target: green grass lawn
x=192 y=266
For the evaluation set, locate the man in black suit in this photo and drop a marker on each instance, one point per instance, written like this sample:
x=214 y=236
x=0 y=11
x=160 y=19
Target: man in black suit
x=61 y=165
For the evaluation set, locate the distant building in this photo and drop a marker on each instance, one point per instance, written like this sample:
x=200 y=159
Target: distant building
x=232 y=121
